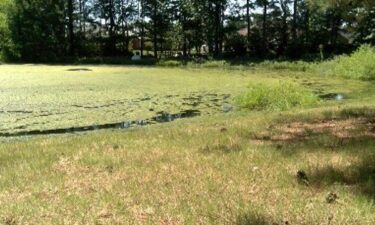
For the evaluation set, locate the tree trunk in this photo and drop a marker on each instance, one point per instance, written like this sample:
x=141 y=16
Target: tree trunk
x=210 y=29
x=264 y=30
x=294 y=28
x=221 y=28
x=307 y=26
x=112 y=41
x=155 y=31
x=127 y=38
x=80 y=16
x=248 y=23
x=71 y=28
x=284 y=40
x=184 y=47
x=336 y=21
x=84 y=17
x=123 y=25
x=142 y=40
x=142 y=28
x=217 y=29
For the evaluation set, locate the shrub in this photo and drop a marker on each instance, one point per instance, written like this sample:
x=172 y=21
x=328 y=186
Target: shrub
x=359 y=65
x=280 y=97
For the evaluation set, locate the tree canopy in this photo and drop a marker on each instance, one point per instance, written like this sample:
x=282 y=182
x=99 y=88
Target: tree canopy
x=45 y=30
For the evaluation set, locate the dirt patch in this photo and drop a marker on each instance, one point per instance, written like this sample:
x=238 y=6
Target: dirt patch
x=299 y=131
x=81 y=179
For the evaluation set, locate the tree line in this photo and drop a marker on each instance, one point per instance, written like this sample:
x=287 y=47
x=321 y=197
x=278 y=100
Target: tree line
x=45 y=30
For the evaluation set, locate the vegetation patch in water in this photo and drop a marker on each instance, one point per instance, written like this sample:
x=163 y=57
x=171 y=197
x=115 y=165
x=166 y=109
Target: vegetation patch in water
x=279 y=97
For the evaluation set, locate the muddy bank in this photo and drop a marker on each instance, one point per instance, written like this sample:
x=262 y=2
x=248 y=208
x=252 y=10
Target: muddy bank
x=161 y=117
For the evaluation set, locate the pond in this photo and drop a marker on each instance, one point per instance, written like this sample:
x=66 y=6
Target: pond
x=333 y=96
x=195 y=104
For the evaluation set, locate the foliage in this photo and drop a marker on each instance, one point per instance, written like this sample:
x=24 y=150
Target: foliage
x=45 y=30
x=35 y=38
x=359 y=65
x=236 y=44
x=279 y=97
x=6 y=43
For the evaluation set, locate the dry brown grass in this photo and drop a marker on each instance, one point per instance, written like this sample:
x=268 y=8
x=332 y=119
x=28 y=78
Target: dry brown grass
x=185 y=173
x=302 y=131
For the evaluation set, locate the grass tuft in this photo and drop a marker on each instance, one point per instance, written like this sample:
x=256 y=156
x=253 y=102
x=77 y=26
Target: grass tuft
x=291 y=66
x=170 y=63
x=281 y=97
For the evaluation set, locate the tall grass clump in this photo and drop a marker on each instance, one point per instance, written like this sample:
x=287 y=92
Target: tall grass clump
x=280 y=97
x=292 y=66
x=359 y=65
x=210 y=64
x=170 y=63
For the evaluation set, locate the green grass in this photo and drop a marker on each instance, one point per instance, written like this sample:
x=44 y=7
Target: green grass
x=280 y=97
x=220 y=168
x=359 y=65
x=290 y=66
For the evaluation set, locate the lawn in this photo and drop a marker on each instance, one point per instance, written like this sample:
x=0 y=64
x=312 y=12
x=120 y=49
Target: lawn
x=226 y=166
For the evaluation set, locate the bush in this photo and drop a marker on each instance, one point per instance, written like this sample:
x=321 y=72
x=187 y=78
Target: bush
x=359 y=65
x=280 y=97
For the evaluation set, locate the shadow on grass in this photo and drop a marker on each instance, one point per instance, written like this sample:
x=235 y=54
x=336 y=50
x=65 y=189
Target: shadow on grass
x=251 y=218
x=350 y=132
x=334 y=131
x=359 y=176
x=221 y=148
x=354 y=112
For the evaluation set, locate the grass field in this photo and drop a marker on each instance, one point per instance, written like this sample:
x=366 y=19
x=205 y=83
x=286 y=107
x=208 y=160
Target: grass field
x=223 y=167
